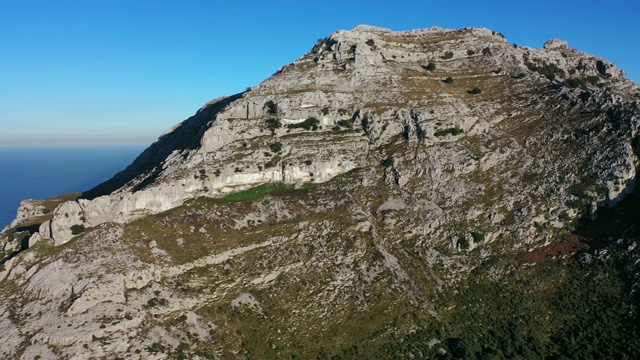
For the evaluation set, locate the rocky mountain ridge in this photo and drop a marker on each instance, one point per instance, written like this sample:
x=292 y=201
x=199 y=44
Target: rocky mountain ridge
x=412 y=158
x=313 y=87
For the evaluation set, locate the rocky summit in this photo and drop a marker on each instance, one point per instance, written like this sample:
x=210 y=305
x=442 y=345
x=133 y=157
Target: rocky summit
x=419 y=194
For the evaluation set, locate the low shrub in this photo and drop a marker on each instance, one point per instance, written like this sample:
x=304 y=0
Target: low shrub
x=156 y=348
x=593 y=80
x=463 y=243
x=430 y=66
x=273 y=124
x=271 y=107
x=583 y=82
x=345 y=123
x=77 y=229
x=202 y=174
x=447 y=55
x=477 y=236
x=550 y=71
x=276 y=147
x=456 y=130
x=387 y=162
x=309 y=124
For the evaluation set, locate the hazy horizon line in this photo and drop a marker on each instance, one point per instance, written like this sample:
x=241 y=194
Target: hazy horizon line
x=45 y=146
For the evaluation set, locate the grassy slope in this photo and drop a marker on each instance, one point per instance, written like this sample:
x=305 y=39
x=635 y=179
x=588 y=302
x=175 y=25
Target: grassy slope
x=547 y=306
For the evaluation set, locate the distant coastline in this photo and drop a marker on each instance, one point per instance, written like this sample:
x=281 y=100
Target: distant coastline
x=43 y=172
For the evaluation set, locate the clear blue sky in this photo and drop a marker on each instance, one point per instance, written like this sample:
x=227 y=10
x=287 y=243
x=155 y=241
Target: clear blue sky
x=123 y=71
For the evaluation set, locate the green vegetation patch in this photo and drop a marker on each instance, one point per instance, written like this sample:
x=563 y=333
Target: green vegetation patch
x=77 y=229
x=271 y=107
x=348 y=123
x=273 y=124
x=309 y=124
x=447 y=55
x=550 y=71
x=429 y=67
x=546 y=309
x=456 y=130
x=343 y=124
x=257 y=193
x=46 y=249
x=276 y=147
x=583 y=83
x=475 y=91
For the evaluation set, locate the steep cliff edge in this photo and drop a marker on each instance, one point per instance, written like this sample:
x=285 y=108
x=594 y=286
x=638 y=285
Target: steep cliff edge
x=454 y=149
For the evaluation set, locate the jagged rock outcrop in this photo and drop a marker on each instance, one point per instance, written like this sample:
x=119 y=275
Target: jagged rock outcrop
x=453 y=143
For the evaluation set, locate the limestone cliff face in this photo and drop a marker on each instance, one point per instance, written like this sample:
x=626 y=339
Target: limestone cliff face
x=376 y=83
x=379 y=84
x=458 y=140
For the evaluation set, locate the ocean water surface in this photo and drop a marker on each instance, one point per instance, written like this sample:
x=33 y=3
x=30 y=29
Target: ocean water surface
x=40 y=173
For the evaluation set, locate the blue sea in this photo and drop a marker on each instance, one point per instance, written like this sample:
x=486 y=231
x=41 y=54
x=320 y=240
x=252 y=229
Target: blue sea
x=40 y=173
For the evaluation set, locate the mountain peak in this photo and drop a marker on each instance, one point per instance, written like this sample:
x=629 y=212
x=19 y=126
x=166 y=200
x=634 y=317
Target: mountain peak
x=556 y=44
x=417 y=83
x=369 y=28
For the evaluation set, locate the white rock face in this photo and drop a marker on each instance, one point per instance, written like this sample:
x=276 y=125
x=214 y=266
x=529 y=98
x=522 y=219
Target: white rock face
x=28 y=209
x=11 y=337
x=73 y=214
x=125 y=207
x=34 y=239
